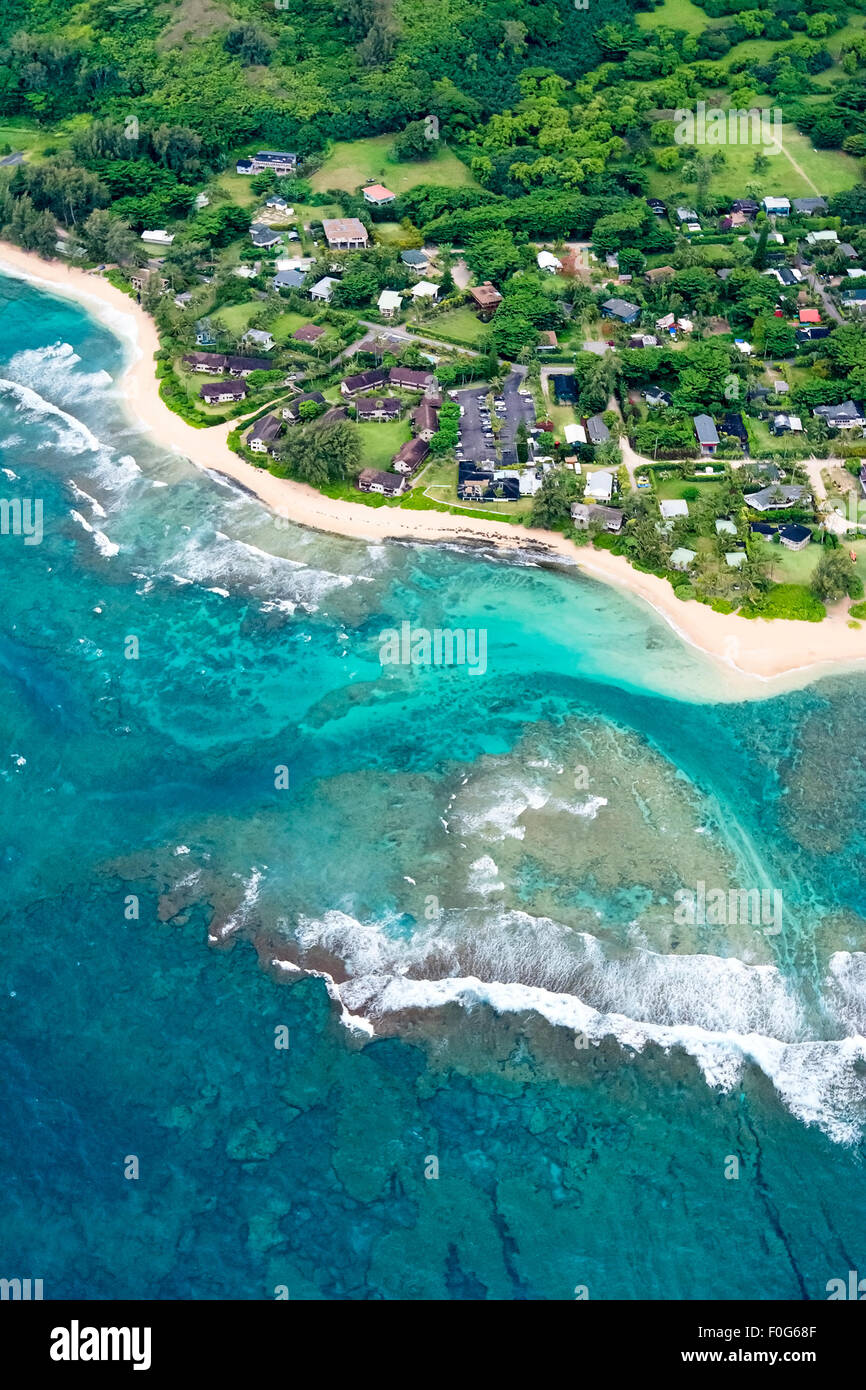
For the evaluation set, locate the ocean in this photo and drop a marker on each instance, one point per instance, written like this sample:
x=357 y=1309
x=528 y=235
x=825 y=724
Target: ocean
x=333 y=979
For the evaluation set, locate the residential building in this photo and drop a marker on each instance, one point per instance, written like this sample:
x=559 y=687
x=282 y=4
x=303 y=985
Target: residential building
x=655 y=396
x=487 y=299
x=746 y=205
x=389 y=303
x=292 y=409
x=787 y=424
x=378 y=408
x=183 y=300
x=425 y=420
x=215 y=392
x=657 y=206
x=777 y=207
x=259 y=338
x=672 y=508
x=806 y=206
x=725 y=527
x=777 y=497
x=681 y=558
x=143 y=279
x=344 y=233
x=364 y=381
x=811 y=335
x=262 y=237
x=289 y=280
x=410 y=457
x=828 y=237
x=660 y=273
x=706 y=433
x=574 y=434
x=547 y=341
x=242 y=366
x=417 y=261
x=735 y=558
x=160 y=238
x=585 y=514
x=277 y=203
x=264 y=434
x=547 y=261
x=390 y=484
x=378 y=196
x=621 y=309
x=324 y=288
x=643 y=340
x=425 y=289
x=795 y=537
x=308 y=333
x=410 y=378
x=845 y=416
x=204 y=336
x=686 y=215
x=278 y=161
x=599 y=486
x=733 y=424
x=206 y=361
x=597 y=431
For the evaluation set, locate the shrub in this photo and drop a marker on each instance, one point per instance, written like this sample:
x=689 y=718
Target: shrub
x=857 y=610
x=791 y=601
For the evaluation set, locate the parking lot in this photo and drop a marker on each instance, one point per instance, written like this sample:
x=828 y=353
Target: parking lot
x=477 y=442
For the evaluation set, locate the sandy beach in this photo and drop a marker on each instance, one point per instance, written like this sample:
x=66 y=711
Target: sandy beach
x=779 y=652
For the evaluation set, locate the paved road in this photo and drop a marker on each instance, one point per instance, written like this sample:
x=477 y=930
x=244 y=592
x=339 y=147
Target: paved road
x=475 y=447
x=821 y=292
x=518 y=409
x=15 y=158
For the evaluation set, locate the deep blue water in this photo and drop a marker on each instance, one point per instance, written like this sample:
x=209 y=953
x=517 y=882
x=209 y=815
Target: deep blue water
x=484 y=866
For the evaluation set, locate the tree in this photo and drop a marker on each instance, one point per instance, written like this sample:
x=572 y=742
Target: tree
x=413 y=142
x=833 y=575
x=551 y=507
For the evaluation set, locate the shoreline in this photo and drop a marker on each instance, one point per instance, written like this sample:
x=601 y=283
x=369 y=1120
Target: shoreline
x=780 y=652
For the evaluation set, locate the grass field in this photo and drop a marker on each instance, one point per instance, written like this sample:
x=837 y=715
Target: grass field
x=285 y=325
x=21 y=135
x=235 y=318
x=790 y=566
x=828 y=171
x=676 y=14
x=354 y=162
x=463 y=324
x=379 y=443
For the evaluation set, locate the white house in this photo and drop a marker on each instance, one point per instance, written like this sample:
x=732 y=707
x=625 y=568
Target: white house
x=781 y=207
x=389 y=303
x=574 y=434
x=324 y=288
x=160 y=237
x=818 y=238
x=670 y=510
x=259 y=338
x=599 y=486
x=425 y=289
x=547 y=261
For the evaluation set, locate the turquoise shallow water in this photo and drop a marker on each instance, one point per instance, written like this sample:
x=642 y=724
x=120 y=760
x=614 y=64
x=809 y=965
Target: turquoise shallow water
x=484 y=868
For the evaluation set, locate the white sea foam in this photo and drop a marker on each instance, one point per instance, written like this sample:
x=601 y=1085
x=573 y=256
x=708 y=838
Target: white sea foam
x=81 y=495
x=721 y=1011
x=100 y=540
x=75 y=439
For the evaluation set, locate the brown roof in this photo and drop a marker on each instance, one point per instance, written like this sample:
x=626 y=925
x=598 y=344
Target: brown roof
x=424 y=417
x=485 y=295
x=409 y=376
x=414 y=452
x=308 y=333
x=362 y=381
x=372 y=405
x=660 y=272
x=344 y=229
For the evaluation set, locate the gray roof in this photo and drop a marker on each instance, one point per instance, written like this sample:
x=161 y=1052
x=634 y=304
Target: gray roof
x=289 y=280
x=809 y=205
x=597 y=431
x=846 y=410
x=777 y=497
x=705 y=429
x=413 y=257
x=620 y=308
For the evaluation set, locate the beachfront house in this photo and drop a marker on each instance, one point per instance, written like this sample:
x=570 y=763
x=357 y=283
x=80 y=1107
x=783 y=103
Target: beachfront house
x=586 y=514
x=794 y=536
x=264 y=434
x=216 y=392
x=389 y=484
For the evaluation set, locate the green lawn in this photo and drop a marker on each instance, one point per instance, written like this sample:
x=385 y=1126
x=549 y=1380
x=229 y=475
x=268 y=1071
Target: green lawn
x=32 y=139
x=354 y=162
x=379 y=443
x=670 y=489
x=790 y=566
x=235 y=318
x=676 y=14
x=285 y=325
x=462 y=324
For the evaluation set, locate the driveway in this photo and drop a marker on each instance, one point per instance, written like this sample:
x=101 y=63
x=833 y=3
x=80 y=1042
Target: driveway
x=518 y=410
x=475 y=447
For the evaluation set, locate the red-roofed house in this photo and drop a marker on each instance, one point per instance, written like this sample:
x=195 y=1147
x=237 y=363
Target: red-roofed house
x=810 y=316
x=378 y=195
